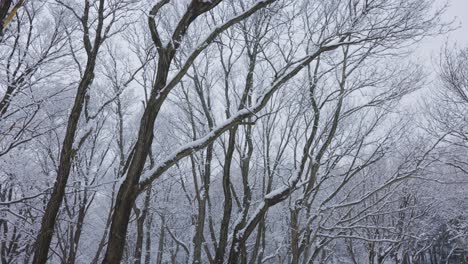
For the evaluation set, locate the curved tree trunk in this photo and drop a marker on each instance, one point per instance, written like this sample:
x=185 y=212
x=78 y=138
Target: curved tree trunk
x=48 y=221
x=44 y=237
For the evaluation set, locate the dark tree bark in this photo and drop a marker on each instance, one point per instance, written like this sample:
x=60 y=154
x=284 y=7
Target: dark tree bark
x=148 y=239
x=162 y=234
x=141 y=218
x=224 y=229
x=44 y=237
x=78 y=230
x=4 y=7
x=129 y=191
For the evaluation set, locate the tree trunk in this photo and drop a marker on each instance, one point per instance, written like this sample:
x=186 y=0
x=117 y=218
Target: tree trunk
x=294 y=226
x=4 y=7
x=46 y=231
x=161 y=240
x=128 y=191
x=148 y=240
x=224 y=229
x=44 y=237
x=78 y=230
x=200 y=225
x=140 y=226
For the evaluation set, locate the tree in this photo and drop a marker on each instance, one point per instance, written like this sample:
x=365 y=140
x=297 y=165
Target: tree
x=226 y=132
x=93 y=16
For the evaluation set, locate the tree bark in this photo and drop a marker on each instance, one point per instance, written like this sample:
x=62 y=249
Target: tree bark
x=140 y=228
x=48 y=221
x=128 y=191
x=44 y=237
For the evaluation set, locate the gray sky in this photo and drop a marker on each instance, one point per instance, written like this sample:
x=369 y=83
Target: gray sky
x=457 y=10
x=428 y=51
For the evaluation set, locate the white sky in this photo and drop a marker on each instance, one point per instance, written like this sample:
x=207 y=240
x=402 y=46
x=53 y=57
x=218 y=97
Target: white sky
x=428 y=51
x=458 y=11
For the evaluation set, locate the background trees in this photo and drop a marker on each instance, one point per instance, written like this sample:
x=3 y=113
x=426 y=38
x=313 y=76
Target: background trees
x=227 y=132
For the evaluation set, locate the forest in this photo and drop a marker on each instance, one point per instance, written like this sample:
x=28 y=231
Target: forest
x=243 y=131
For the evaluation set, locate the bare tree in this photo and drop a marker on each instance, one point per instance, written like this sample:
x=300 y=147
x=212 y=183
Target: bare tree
x=215 y=131
x=101 y=16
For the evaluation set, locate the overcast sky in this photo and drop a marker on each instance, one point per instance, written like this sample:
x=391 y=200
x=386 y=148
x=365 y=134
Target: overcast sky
x=428 y=51
x=457 y=10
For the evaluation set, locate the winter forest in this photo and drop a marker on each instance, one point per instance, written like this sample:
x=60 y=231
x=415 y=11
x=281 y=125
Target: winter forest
x=243 y=131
